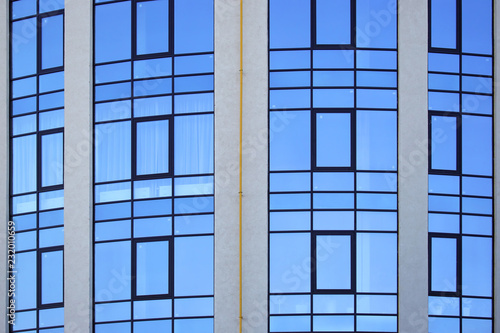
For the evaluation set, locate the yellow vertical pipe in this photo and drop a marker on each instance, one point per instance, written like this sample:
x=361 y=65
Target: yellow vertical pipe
x=241 y=170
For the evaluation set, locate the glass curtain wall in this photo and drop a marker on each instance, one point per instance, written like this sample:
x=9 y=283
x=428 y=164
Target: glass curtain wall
x=36 y=163
x=460 y=166
x=153 y=166
x=333 y=218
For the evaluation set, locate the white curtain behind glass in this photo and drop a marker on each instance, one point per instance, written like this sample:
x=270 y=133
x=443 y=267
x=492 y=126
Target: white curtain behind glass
x=112 y=152
x=24 y=164
x=152 y=147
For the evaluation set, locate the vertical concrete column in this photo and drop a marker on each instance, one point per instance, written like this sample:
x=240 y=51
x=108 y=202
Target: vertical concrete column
x=4 y=157
x=496 y=172
x=413 y=166
x=78 y=167
x=227 y=41
x=255 y=166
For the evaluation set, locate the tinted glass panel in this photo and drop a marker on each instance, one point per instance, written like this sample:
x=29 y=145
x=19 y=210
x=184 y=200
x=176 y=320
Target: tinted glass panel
x=152 y=27
x=333 y=22
x=152 y=147
x=333 y=140
x=152 y=268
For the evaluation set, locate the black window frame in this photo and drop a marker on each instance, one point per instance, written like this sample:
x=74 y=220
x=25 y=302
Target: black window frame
x=40 y=252
x=458 y=34
x=458 y=238
x=40 y=18
x=316 y=46
x=457 y=116
x=40 y=186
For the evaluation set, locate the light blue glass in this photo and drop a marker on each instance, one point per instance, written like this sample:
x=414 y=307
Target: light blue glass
x=26 y=320
x=477 y=225
x=152 y=87
x=444 y=184
x=444 y=306
x=194 y=83
x=377 y=323
x=380 y=99
x=51 y=101
x=152 y=268
x=22 y=125
x=193 y=266
x=25 y=222
x=52 y=277
x=52 y=42
x=285 y=182
x=477 y=65
x=152 y=207
x=26 y=281
x=288 y=250
x=448 y=223
x=24 y=163
x=333 y=262
x=333 y=181
x=442 y=101
x=112 y=32
x=443 y=24
x=152 y=27
x=113 y=328
x=192 y=103
x=480 y=104
x=377 y=304
x=23 y=8
x=333 y=78
x=112 y=192
x=153 y=326
x=152 y=106
x=159 y=226
x=112 y=110
x=376 y=262
x=476 y=84
x=444 y=82
x=290 y=60
x=50 y=5
x=22 y=106
x=194 y=26
x=205 y=325
x=289 y=79
x=340 y=323
x=51 y=317
x=112 y=211
x=333 y=98
x=439 y=203
x=204 y=204
x=333 y=201
x=51 y=82
x=337 y=220
x=24 y=47
x=113 y=72
x=333 y=22
x=112 y=311
x=477 y=270
x=376 y=201
x=290 y=201
x=281 y=221
x=194 y=307
x=51 y=237
x=376 y=142
x=376 y=59
x=330 y=59
x=154 y=188
x=289 y=304
x=24 y=87
x=444 y=143
x=194 y=224
x=477 y=205
x=112 y=151
x=444 y=264
x=381 y=221
x=24 y=204
x=477 y=141
x=476 y=307
x=376 y=23
x=333 y=140
x=152 y=147
x=113 y=91
x=194 y=144
x=52 y=159
x=161 y=308
x=152 y=68
x=328 y=304
x=376 y=182
x=376 y=79
x=195 y=64
x=26 y=241
x=112 y=271
x=194 y=185
x=112 y=230
x=289 y=323
x=289 y=24
x=289 y=99
x=476 y=325
x=442 y=62
x=477 y=26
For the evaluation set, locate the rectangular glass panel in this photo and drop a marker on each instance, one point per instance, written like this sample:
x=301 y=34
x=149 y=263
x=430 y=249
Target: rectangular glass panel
x=333 y=262
x=52 y=41
x=24 y=49
x=444 y=24
x=24 y=157
x=152 y=268
x=333 y=140
x=112 y=151
x=52 y=159
x=333 y=21
x=52 y=277
x=477 y=26
x=152 y=147
x=112 y=32
x=444 y=143
x=444 y=264
x=152 y=26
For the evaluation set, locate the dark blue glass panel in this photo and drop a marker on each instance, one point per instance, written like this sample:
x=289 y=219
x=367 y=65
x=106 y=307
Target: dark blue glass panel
x=333 y=140
x=333 y=22
x=444 y=24
x=444 y=143
x=152 y=147
x=152 y=268
x=194 y=26
x=477 y=26
x=112 y=32
x=52 y=41
x=24 y=47
x=289 y=23
x=52 y=277
x=152 y=27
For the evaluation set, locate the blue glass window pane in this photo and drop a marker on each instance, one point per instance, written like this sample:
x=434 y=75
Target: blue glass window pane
x=333 y=22
x=24 y=162
x=337 y=220
x=22 y=125
x=152 y=268
x=153 y=207
x=51 y=101
x=194 y=224
x=476 y=325
x=477 y=65
x=191 y=103
x=112 y=192
x=288 y=250
x=152 y=87
x=112 y=311
x=160 y=226
x=477 y=26
x=477 y=270
x=289 y=99
x=194 y=144
x=376 y=23
x=477 y=205
x=24 y=204
x=194 y=307
x=152 y=147
x=153 y=309
x=380 y=99
x=290 y=60
x=112 y=32
x=444 y=24
x=50 y=5
x=194 y=186
x=290 y=201
x=376 y=264
x=283 y=304
x=194 y=83
x=377 y=221
x=25 y=320
x=112 y=151
x=376 y=182
x=444 y=82
x=23 y=8
x=22 y=106
x=24 y=87
x=333 y=262
x=376 y=201
x=203 y=204
x=444 y=306
x=333 y=181
x=290 y=140
x=333 y=98
x=376 y=59
x=51 y=119
x=333 y=140
x=377 y=323
x=155 y=188
x=193 y=266
x=195 y=64
x=112 y=72
x=52 y=159
x=478 y=225
x=289 y=323
x=164 y=326
x=284 y=182
x=444 y=184
x=289 y=23
x=477 y=141
x=52 y=277
x=441 y=62
x=279 y=221
x=52 y=41
x=341 y=323
x=51 y=317
x=112 y=268
x=25 y=222
x=476 y=84
x=113 y=91
x=444 y=264
x=328 y=304
x=51 y=82
x=442 y=101
x=330 y=59
x=152 y=106
x=51 y=237
x=194 y=26
x=477 y=307
x=152 y=27
x=376 y=141
x=26 y=241
x=477 y=186
x=330 y=78
x=480 y=104
x=112 y=211
x=152 y=68
x=112 y=230
x=113 y=328
x=443 y=143
x=205 y=325
x=112 y=110
x=376 y=79
x=26 y=281
x=377 y=304
x=24 y=47
x=439 y=203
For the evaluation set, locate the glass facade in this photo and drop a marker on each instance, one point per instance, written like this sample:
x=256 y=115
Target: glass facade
x=333 y=219
x=36 y=163
x=461 y=166
x=153 y=166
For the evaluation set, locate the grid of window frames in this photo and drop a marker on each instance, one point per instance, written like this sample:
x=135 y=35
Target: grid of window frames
x=460 y=166
x=153 y=171
x=36 y=162
x=333 y=166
